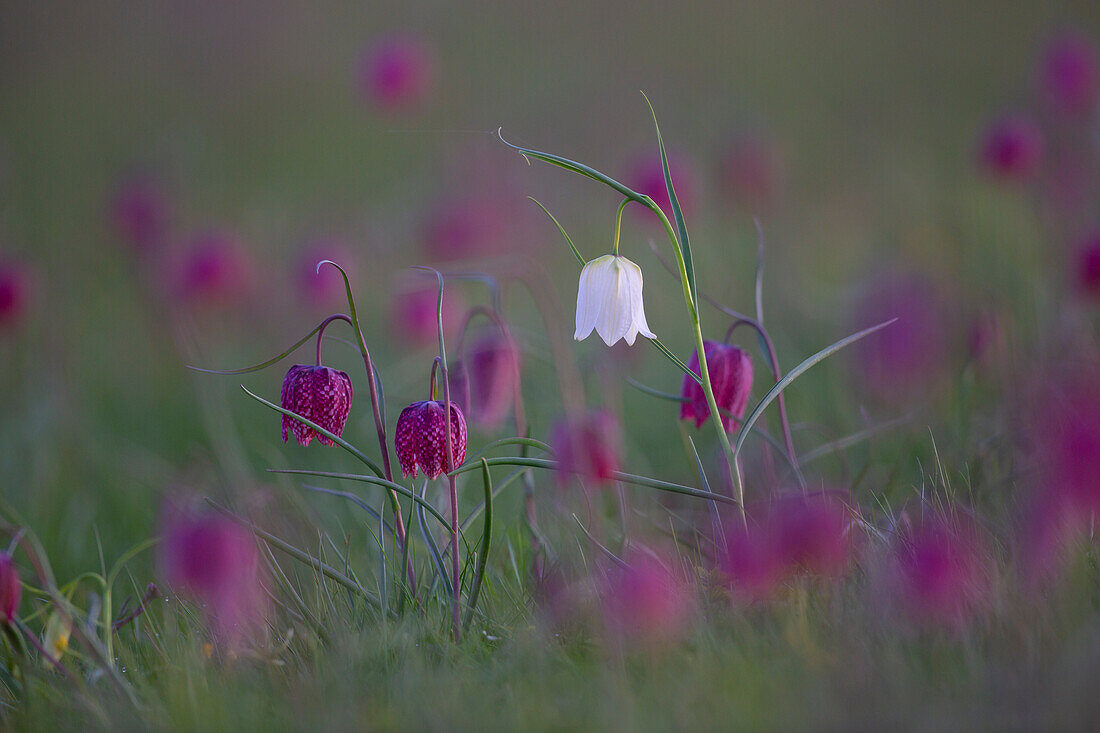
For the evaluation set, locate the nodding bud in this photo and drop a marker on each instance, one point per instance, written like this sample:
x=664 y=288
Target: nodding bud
x=320 y=394
x=587 y=445
x=10 y=590
x=494 y=370
x=731 y=379
x=459 y=379
x=419 y=442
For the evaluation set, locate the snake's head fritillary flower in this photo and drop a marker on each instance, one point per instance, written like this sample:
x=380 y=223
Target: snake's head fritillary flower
x=813 y=534
x=212 y=270
x=645 y=602
x=14 y=293
x=648 y=177
x=587 y=445
x=414 y=318
x=1088 y=267
x=10 y=589
x=395 y=73
x=752 y=173
x=752 y=565
x=494 y=370
x=419 y=442
x=1068 y=75
x=1011 y=148
x=730 y=378
x=320 y=394
x=140 y=212
x=609 y=301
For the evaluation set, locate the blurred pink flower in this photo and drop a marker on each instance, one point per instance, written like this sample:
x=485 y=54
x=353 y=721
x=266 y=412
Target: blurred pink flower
x=647 y=177
x=324 y=287
x=396 y=73
x=985 y=339
x=731 y=379
x=644 y=602
x=466 y=227
x=1067 y=439
x=494 y=363
x=413 y=315
x=752 y=564
x=419 y=442
x=1088 y=267
x=15 y=290
x=140 y=212
x=1068 y=74
x=587 y=445
x=321 y=395
x=813 y=534
x=10 y=589
x=212 y=270
x=214 y=561
x=1011 y=148
x=752 y=173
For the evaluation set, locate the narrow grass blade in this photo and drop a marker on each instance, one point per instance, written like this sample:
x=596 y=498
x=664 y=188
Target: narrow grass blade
x=576 y=252
x=572 y=165
x=263 y=365
x=367 y=480
x=433 y=548
x=676 y=360
x=483 y=553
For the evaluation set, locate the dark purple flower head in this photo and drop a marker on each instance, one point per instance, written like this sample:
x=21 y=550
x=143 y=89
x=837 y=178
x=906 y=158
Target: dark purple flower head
x=1011 y=148
x=752 y=173
x=644 y=602
x=1088 y=267
x=648 y=177
x=587 y=445
x=1068 y=76
x=813 y=534
x=212 y=270
x=10 y=589
x=494 y=371
x=320 y=394
x=730 y=378
x=140 y=212
x=324 y=287
x=395 y=74
x=15 y=291
x=419 y=442
x=214 y=561
x=413 y=315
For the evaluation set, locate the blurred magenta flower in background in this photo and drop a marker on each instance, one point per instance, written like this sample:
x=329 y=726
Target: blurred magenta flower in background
x=324 y=287
x=321 y=395
x=493 y=364
x=1066 y=435
x=140 y=212
x=1068 y=73
x=752 y=565
x=1011 y=148
x=813 y=533
x=647 y=176
x=414 y=319
x=214 y=561
x=466 y=227
x=212 y=270
x=15 y=291
x=986 y=340
x=644 y=602
x=395 y=73
x=752 y=173
x=419 y=442
x=730 y=379
x=587 y=445
x=11 y=591
x=1087 y=265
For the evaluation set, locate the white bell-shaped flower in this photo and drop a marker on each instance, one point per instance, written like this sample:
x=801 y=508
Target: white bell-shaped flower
x=609 y=300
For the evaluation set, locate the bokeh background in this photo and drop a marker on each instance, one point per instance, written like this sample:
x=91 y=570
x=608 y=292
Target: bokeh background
x=169 y=170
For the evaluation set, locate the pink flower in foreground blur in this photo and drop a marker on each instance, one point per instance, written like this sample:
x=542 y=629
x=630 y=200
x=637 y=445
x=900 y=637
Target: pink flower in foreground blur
x=751 y=173
x=413 y=316
x=812 y=534
x=14 y=294
x=1067 y=439
x=648 y=177
x=1068 y=76
x=395 y=73
x=730 y=378
x=1088 y=267
x=140 y=212
x=644 y=602
x=986 y=340
x=752 y=564
x=494 y=371
x=1011 y=148
x=466 y=227
x=938 y=573
x=214 y=561
x=213 y=269
x=587 y=445
x=419 y=442
x=324 y=287
x=10 y=589
x=321 y=395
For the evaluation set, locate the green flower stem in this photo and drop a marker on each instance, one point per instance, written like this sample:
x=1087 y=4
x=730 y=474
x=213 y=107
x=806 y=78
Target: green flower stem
x=619 y=224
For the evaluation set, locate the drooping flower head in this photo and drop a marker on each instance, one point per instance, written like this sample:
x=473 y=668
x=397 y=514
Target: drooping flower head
x=419 y=438
x=140 y=212
x=1068 y=74
x=609 y=301
x=395 y=73
x=414 y=319
x=494 y=368
x=320 y=394
x=10 y=589
x=587 y=445
x=1011 y=148
x=730 y=378
x=813 y=534
x=213 y=269
x=644 y=602
x=14 y=294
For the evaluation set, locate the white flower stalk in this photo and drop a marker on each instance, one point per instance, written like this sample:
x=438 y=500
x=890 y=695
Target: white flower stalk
x=609 y=300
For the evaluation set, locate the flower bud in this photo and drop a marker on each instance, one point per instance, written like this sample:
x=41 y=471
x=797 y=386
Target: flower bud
x=731 y=379
x=587 y=445
x=419 y=442
x=320 y=394
x=10 y=590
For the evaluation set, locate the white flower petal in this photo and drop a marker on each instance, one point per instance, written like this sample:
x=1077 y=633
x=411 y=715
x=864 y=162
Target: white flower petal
x=587 y=307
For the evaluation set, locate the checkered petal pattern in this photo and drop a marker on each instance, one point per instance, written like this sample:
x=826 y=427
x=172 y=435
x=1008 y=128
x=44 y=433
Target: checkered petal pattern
x=320 y=394
x=418 y=438
x=730 y=377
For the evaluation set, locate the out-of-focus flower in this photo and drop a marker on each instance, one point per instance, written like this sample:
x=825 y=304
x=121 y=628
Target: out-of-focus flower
x=55 y=638
x=938 y=574
x=320 y=394
x=1067 y=439
x=494 y=371
x=587 y=445
x=648 y=177
x=213 y=269
x=985 y=339
x=458 y=376
x=395 y=73
x=214 y=561
x=10 y=590
x=645 y=603
x=465 y=227
x=14 y=294
x=140 y=212
x=1011 y=148
x=324 y=287
x=1068 y=74
x=1088 y=267
x=609 y=300
x=752 y=564
x=419 y=442
x=813 y=534
x=413 y=316
x=730 y=378
x=751 y=173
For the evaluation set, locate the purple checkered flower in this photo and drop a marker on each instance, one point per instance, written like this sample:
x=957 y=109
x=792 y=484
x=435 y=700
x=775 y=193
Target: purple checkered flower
x=319 y=393
x=418 y=438
x=731 y=379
